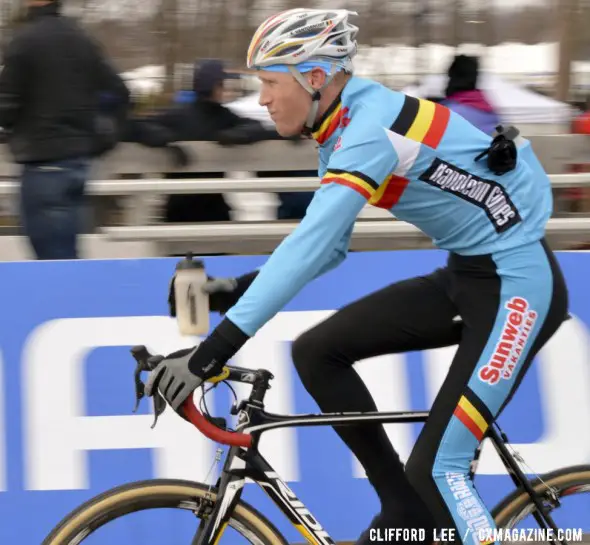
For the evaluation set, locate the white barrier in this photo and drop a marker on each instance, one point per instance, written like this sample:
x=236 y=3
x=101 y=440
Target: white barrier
x=261 y=237
x=369 y=228
x=145 y=193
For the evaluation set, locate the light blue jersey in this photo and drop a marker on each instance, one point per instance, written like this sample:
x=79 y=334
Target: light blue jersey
x=416 y=159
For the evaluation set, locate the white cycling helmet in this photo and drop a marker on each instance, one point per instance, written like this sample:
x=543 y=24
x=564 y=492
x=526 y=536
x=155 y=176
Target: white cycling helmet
x=298 y=40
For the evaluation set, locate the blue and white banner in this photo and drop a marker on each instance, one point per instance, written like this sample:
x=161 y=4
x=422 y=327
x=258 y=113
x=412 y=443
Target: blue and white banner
x=67 y=432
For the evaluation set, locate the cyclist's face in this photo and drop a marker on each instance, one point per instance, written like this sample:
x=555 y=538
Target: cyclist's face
x=286 y=100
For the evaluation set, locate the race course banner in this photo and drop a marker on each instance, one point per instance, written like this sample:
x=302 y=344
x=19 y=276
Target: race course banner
x=67 y=431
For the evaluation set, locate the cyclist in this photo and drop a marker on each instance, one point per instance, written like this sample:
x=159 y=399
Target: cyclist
x=420 y=161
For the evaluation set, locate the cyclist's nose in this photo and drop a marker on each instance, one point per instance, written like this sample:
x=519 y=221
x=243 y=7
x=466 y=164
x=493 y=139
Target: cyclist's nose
x=264 y=98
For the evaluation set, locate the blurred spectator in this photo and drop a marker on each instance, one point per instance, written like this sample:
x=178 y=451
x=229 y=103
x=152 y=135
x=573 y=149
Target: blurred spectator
x=49 y=107
x=205 y=118
x=184 y=97
x=464 y=97
x=581 y=123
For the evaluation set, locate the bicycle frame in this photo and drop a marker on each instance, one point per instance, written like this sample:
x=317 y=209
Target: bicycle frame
x=248 y=463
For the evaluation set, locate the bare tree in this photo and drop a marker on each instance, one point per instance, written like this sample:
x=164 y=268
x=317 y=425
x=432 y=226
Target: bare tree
x=566 y=47
x=166 y=28
x=456 y=14
x=492 y=27
x=10 y=11
x=246 y=30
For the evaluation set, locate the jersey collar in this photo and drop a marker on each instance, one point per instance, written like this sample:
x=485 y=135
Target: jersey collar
x=329 y=122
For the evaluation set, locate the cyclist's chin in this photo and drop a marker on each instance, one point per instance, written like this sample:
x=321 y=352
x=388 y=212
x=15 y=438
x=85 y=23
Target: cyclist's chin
x=286 y=130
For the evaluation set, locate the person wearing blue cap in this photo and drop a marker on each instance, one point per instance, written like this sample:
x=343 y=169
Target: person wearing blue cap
x=209 y=77
x=205 y=118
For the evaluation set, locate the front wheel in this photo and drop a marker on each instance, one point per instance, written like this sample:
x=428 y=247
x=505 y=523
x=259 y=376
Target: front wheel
x=564 y=492
x=94 y=521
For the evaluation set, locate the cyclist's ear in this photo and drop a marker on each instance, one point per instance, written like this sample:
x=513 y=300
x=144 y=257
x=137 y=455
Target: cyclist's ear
x=316 y=77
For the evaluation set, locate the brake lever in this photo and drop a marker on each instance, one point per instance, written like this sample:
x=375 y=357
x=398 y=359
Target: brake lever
x=146 y=362
x=141 y=356
x=159 y=401
x=159 y=407
x=139 y=387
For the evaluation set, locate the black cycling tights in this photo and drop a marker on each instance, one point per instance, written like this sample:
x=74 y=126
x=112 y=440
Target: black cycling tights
x=510 y=304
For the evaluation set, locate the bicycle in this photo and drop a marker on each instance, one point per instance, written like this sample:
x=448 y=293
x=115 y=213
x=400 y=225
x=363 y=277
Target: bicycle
x=221 y=506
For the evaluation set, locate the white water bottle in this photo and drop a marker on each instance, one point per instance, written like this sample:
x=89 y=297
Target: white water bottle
x=192 y=305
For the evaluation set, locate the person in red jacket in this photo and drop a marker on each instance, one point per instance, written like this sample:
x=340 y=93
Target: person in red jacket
x=581 y=124
x=575 y=196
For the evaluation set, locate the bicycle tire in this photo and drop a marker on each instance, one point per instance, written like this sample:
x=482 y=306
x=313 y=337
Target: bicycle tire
x=156 y=493
x=574 y=479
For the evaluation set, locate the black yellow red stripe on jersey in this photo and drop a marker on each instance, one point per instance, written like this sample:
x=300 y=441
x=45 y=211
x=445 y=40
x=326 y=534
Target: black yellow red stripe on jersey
x=385 y=195
x=422 y=121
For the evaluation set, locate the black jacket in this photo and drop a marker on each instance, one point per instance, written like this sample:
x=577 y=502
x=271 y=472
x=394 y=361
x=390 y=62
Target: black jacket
x=204 y=120
x=51 y=85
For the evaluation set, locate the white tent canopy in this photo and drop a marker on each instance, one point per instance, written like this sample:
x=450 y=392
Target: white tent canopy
x=513 y=103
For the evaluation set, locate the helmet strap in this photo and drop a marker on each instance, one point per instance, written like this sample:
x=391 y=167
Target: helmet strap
x=316 y=95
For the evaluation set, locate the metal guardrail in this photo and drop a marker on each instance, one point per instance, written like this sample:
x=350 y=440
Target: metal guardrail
x=143 y=186
x=140 y=161
x=555 y=151
x=140 y=192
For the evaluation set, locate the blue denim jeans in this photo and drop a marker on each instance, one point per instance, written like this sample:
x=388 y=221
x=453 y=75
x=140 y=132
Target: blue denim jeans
x=52 y=206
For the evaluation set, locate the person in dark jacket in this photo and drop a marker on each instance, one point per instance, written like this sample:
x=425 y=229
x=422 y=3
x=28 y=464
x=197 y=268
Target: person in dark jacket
x=465 y=98
x=50 y=89
x=204 y=119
